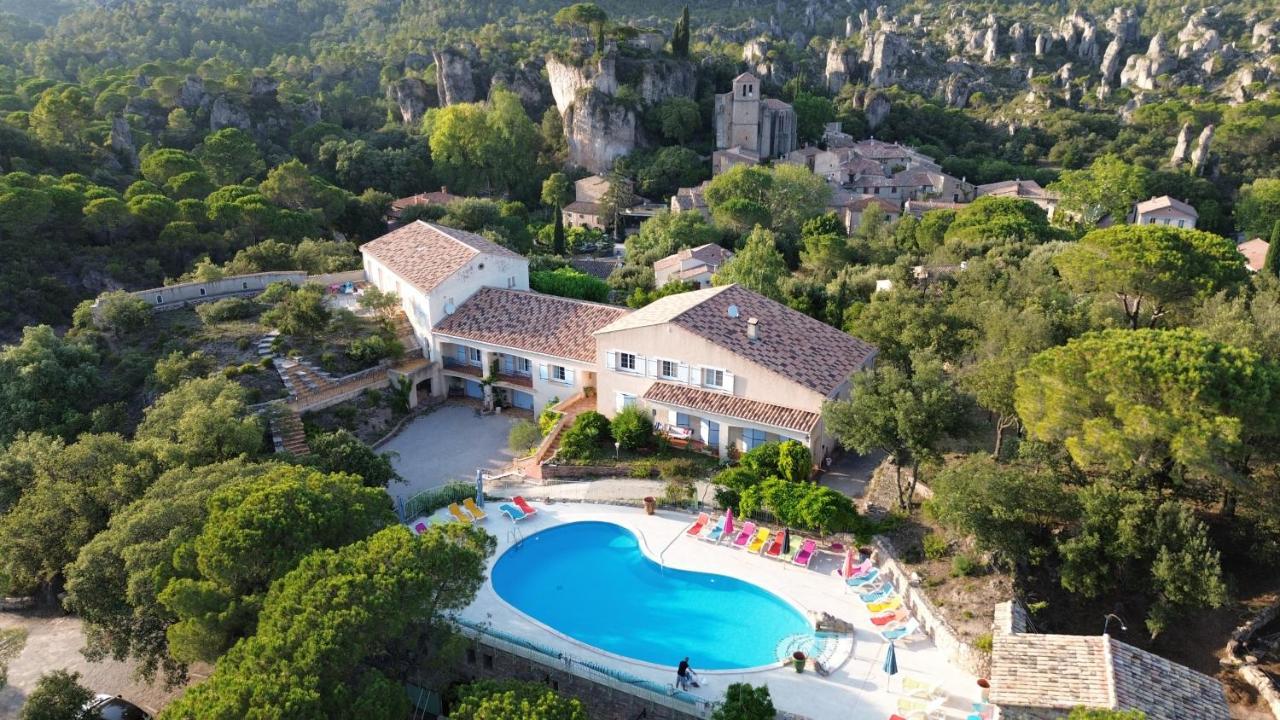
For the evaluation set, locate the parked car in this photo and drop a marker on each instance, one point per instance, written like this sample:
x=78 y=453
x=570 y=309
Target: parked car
x=115 y=707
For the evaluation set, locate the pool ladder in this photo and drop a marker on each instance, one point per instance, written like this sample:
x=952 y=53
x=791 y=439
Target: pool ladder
x=662 y=563
x=514 y=537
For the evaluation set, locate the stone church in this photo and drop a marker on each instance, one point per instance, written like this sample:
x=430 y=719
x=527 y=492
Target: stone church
x=751 y=125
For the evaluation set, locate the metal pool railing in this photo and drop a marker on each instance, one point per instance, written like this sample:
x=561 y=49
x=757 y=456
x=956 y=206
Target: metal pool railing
x=428 y=501
x=598 y=672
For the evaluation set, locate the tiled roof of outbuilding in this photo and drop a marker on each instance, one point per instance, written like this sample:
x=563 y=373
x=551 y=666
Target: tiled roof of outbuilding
x=425 y=254
x=524 y=320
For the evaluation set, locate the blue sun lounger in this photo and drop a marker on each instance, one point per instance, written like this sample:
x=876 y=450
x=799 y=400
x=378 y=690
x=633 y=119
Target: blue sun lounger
x=513 y=512
x=883 y=592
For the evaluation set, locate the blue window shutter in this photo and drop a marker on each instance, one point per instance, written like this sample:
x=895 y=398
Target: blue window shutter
x=542 y=370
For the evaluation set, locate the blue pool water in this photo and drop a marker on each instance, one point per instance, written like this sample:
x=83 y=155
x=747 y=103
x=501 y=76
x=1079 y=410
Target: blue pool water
x=591 y=581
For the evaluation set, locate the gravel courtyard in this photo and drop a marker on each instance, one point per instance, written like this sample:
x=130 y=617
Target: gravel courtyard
x=449 y=444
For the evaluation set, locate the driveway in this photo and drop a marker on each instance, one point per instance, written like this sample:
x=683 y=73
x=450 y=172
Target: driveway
x=446 y=445
x=53 y=643
x=851 y=473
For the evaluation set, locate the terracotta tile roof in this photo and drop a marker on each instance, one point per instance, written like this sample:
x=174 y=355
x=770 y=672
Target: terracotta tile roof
x=425 y=254
x=585 y=208
x=1015 y=188
x=439 y=197
x=1165 y=202
x=1254 y=252
x=709 y=254
x=597 y=268
x=531 y=321
x=734 y=406
x=788 y=343
x=1066 y=671
x=866 y=201
x=920 y=207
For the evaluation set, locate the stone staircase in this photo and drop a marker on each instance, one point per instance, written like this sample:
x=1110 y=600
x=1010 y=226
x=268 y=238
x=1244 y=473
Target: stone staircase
x=572 y=408
x=288 y=434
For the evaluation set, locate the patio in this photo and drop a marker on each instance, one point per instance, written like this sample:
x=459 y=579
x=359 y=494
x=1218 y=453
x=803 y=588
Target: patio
x=857 y=687
x=447 y=445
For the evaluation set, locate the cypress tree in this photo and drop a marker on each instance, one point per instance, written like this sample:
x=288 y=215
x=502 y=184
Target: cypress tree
x=557 y=237
x=680 y=38
x=1272 y=262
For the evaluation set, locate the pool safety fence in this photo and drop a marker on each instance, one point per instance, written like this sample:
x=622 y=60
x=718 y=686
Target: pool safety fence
x=429 y=501
x=597 y=672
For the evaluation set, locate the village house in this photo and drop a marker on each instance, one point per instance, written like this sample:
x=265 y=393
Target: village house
x=695 y=265
x=818 y=161
x=1028 y=190
x=587 y=209
x=691 y=198
x=851 y=212
x=1254 y=252
x=1164 y=210
x=439 y=198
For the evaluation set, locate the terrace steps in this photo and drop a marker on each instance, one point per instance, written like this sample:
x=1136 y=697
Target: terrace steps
x=288 y=433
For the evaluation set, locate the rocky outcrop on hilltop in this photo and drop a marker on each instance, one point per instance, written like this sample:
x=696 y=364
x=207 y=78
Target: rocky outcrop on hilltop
x=412 y=97
x=884 y=53
x=525 y=80
x=840 y=67
x=598 y=128
x=1200 y=156
x=1180 y=148
x=225 y=113
x=455 y=76
x=1141 y=71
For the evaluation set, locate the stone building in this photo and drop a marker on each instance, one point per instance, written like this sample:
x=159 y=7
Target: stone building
x=752 y=124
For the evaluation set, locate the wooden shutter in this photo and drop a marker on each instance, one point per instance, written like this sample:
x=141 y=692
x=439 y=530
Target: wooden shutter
x=542 y=370
x=611 y=359
x=569 y=376
x=682 y=372
x=695 y=375
x=653 y=367
x=728 y=382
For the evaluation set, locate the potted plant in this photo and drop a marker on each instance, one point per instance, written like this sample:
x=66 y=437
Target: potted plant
x=798 y=659
x=650 y=504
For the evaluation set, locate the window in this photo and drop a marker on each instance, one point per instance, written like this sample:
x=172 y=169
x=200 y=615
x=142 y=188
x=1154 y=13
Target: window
x=669 y=369
x=523 y=366
x=753 y=438
x=624 y=401
x=201 y=291
x=627 y=361
x=1182 y=223
x=712 y=377
x=559 y=374
x=473 y=356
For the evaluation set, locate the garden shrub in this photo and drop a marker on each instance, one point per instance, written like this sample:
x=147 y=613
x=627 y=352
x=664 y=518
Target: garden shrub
x=227 y=309
x=679 y=469
x=594 y=425
x=632 y=429
x=762 y=459
x=935 y=546
x=374 y=349
x=795 y=462
x=678 y=492
x=523 y=437
x=801 y=505
x=582 y=440
x=737 y=478
x=963 y=566
x=548 y=418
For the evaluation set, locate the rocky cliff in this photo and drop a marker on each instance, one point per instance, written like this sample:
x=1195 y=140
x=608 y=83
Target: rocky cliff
x=455 y=76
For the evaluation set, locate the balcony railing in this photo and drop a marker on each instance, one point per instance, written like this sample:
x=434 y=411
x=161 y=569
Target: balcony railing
x=460 y=366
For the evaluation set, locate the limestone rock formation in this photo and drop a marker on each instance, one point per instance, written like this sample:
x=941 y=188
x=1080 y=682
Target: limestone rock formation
x=1123 y=24
x=839 y=66
x=598 y=131
x=849 y=30
x=1042 y=44
x=956 y=90
x=1200 y=156
x=455 y=78
x=526 y=82
x=1088 y=47
x=122 y=142
x=1264 y=35
x=192 y=96
x=883 y=54
x=1111 y=60
x=876 y=108
x=568 y=80
x=1180 y=149
x=225 y=113
x=1018 y=35
x=989 y=48
x=262 y=86
x=412 y=97
x=1141 y=71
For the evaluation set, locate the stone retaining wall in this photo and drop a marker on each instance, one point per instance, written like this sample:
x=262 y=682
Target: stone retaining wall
x=1246 y=664
x=172 y=297
x=931 y=620
x=484 y=661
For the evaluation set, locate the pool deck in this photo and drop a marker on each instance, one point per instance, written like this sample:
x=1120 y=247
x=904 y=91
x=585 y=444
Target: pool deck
x=858 y=689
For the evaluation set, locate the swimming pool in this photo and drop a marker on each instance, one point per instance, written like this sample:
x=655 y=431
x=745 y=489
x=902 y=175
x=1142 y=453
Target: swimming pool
x=592 y=582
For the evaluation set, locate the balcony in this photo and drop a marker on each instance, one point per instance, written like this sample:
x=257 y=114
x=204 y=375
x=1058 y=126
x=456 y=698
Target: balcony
x=525 y=381
x=454 y=365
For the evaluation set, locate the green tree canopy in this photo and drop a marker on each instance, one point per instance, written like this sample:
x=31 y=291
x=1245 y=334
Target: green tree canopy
x=325 y=627
x=990 y=222
x=743 y=701
x=230 y=156
x=1152 y=270
x=1108 y=187
x=1142 y=402
x=201 y=421
x=512 y=699
x=47 y=383
x=255 y=533
x=1258 y=209
x=757 y=266
x=58 y=696
x=667 y=233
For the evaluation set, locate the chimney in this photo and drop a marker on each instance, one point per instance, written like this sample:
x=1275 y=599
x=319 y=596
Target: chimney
x=752 y=329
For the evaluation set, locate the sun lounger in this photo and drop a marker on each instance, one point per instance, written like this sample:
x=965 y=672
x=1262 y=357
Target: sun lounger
x=524 y=505
x=458 y=515
x=901 y=632
x=892 y=602
x=775 y=548
x=744 y=536
x=805 y=556
x=889 y=617
x=513 y=512
x=864 y=579
x=917 y=708
x=757 y=544
x=474 y=509
x=698 y=525
x=712 y=533
x=919 y=687
x=419 y=528
x=870 y=597
x=861 y=568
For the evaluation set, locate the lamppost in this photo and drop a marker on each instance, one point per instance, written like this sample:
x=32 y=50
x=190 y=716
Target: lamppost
x=1107 y=622
x=617 y=450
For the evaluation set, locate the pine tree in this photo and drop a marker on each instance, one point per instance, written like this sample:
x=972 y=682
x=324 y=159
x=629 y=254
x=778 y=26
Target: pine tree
x=1272 y=262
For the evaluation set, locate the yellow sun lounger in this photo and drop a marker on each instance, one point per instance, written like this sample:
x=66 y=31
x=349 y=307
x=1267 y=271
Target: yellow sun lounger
x=919 y=687
x=474 y=509
x=458 y=515
x=916 y=708
x=757 y=544
x=890 y=603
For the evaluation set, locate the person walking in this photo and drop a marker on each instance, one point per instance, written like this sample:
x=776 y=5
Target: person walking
x=684 y=675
